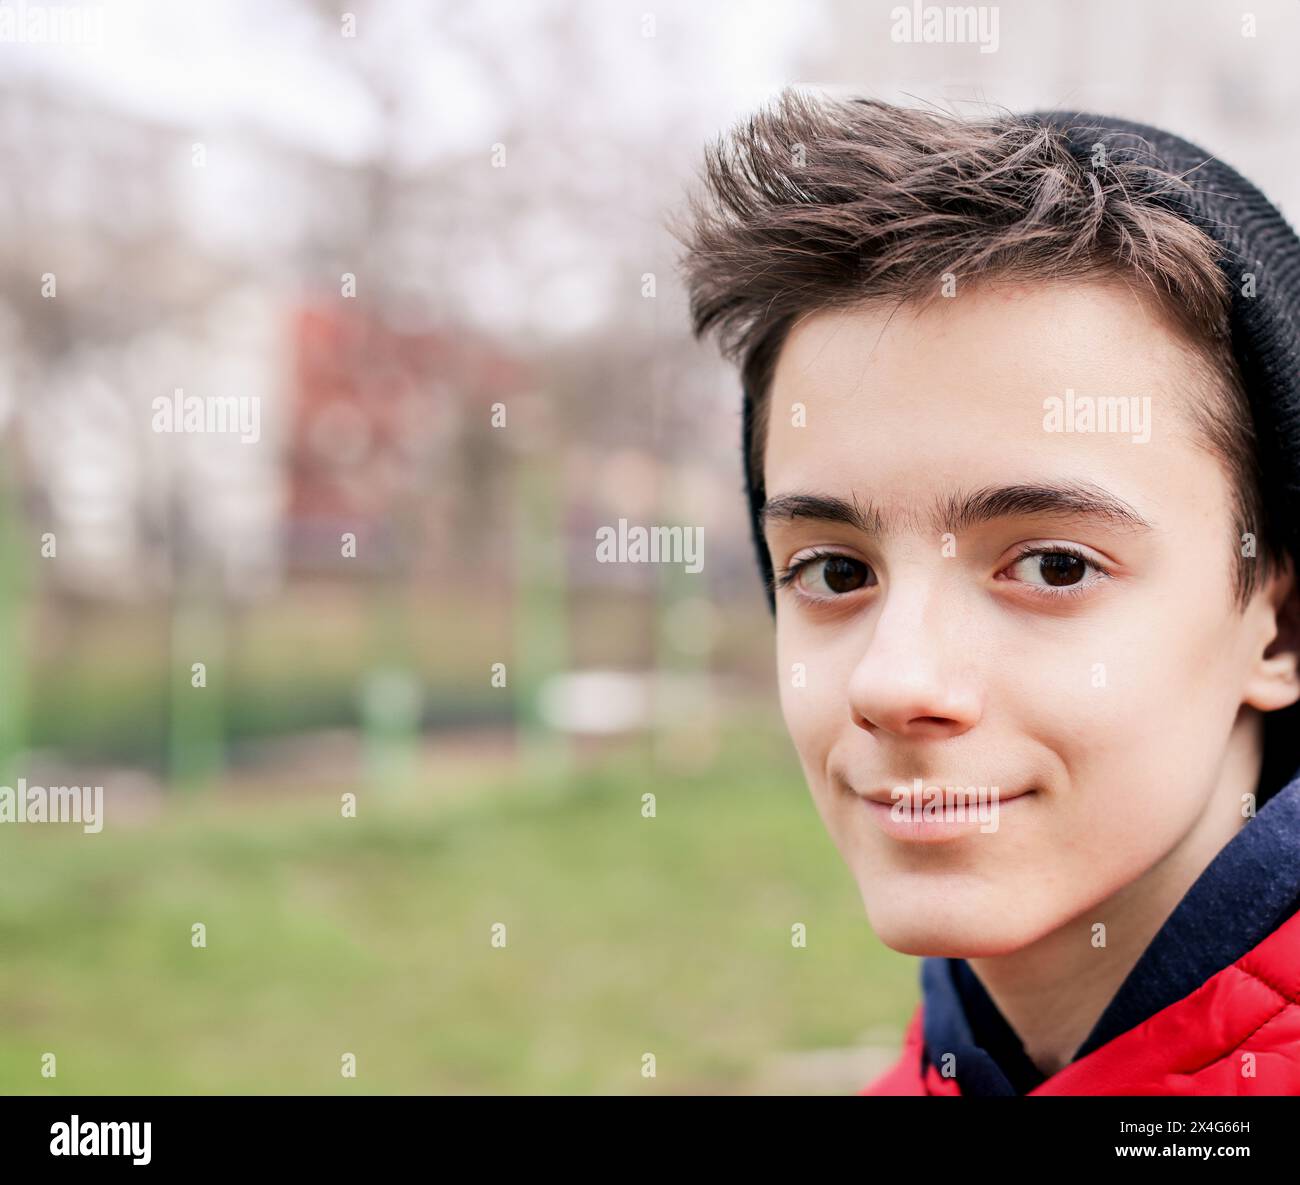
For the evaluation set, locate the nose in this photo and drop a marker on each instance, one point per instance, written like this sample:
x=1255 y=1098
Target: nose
x=914 y=678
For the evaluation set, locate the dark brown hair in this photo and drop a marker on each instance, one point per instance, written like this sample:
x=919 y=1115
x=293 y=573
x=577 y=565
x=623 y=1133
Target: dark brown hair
x=815 y=203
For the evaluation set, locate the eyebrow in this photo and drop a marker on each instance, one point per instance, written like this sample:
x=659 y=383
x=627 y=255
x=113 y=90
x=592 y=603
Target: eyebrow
x=964 y=510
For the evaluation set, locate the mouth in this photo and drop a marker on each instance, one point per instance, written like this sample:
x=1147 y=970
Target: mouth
x=918 y=798
x=941 y=813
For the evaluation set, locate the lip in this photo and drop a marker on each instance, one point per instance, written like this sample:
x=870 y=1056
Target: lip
x=935 y=824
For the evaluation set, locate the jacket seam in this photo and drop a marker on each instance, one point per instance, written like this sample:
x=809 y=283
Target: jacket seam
x=1287 y=996
x=1227 y=1053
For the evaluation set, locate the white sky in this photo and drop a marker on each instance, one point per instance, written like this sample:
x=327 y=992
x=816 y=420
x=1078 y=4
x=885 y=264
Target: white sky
x=204 y=63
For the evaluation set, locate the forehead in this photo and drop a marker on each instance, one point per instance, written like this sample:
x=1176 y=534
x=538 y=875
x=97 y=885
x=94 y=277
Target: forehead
x=907 y=401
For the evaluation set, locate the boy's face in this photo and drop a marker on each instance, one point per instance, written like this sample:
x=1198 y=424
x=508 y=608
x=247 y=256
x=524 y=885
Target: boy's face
x=1099 y=687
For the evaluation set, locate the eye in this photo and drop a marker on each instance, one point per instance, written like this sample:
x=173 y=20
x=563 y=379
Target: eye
x=1056 y=569
x=826 y=575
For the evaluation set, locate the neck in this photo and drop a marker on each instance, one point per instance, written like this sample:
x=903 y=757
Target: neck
x=1054 y=991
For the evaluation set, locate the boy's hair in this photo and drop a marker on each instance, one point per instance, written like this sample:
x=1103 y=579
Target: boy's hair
x=814 y=204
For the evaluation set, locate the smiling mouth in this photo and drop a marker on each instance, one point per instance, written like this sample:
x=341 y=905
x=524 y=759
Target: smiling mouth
x=939 y=814
x=918 y=799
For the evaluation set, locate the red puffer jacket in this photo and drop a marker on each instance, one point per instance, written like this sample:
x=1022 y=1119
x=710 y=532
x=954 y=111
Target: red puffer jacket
x=1197 y=1046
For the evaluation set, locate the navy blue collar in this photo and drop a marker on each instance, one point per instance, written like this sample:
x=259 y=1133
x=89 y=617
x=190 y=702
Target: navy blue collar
x=1249 y=889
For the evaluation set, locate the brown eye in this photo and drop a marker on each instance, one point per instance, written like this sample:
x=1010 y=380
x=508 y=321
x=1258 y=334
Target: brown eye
x=834 y=575
x=1060 y=569
x=1050 y=568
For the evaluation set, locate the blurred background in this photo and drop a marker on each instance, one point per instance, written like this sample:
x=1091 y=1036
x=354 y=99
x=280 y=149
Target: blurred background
x=360 y=695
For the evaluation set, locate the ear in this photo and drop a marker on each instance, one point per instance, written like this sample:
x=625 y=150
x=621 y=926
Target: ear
x=1273 y=681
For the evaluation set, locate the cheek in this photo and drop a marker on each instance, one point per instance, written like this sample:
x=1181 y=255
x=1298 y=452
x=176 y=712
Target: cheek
x=1139 y=719
x=1136 y=678
x=812 y=696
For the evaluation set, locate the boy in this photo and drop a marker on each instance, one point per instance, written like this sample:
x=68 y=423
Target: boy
x=1022 y=442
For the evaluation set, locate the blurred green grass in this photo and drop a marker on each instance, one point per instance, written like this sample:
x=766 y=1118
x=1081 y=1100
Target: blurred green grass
x=99 y=680
x=372 y=936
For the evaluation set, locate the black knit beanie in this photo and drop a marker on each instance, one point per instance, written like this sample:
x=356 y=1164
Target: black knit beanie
x=1265 y=326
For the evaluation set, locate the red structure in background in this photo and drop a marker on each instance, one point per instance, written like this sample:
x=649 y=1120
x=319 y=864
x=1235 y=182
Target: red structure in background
x=373 y=410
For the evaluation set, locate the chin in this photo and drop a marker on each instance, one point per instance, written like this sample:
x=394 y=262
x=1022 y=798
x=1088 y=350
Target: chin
x=947 y=930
